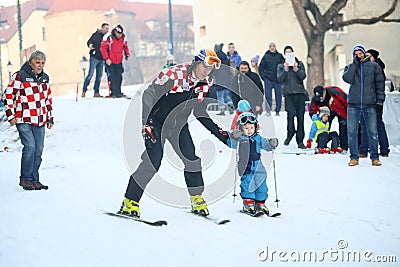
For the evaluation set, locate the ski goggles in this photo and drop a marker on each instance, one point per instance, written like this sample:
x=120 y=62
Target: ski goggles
x=247 y=119
x=211 y=61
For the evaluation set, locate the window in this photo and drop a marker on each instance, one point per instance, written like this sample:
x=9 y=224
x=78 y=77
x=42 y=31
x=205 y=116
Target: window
x=44 y=34
x=143 y=50
x=158 y=50
x=338 y=30
x=202 y=31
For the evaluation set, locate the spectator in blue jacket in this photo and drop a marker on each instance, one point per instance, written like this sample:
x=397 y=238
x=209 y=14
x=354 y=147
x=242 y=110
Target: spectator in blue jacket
x=233 y=56
x=367 y=91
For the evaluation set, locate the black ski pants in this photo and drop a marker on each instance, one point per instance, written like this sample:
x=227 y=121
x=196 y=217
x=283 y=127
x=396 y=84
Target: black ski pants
x=182 y=143
x=115 y=71
x=324 y=138
x=342 y=129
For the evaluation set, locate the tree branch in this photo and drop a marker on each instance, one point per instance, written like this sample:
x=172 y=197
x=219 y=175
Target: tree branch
x=300 y=7
x=333 y=11
x=372 y=20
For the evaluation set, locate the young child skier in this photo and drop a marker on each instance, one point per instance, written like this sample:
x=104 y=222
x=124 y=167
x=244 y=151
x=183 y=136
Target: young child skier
x=243 y=106
x=320 y=133
x=248 y=142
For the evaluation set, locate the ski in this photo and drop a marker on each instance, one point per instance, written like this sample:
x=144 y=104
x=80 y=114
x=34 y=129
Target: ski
x=260 y=213
x=212 y=218
x=309 y=151
x=148 y=222
x=256 y=214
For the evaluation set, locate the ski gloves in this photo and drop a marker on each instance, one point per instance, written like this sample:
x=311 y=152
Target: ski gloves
x=235 y=134
x=148 y=135
x=273 y=142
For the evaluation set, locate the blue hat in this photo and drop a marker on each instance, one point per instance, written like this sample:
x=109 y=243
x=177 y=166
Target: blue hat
x=359 y=47
x=244 y=106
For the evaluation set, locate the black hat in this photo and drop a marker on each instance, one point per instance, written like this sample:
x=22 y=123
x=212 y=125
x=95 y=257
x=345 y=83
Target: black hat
x=374 y=53
x=288 y=47
x=319 y=91
x=119 y=29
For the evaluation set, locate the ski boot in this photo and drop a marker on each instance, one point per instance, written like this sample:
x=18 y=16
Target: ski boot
x=337 y=150
x=129 y=208
x=248 y=206
x=260 y=206
x=199 y=205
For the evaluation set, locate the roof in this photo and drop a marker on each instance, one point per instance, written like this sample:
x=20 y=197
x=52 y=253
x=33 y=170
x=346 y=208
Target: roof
x=144 y=12
x=9 y=16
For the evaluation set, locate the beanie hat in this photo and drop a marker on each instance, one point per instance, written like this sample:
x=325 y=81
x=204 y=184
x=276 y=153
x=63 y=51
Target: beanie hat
x=255 y=59
x=288 y=47
x=243 y=106
x=319 y=91
x=374 y=53
x=324 y=111
x=359 y=48
x=118 y=29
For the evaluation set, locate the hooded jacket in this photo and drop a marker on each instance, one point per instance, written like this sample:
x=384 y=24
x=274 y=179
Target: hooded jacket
x=335 y=99
x=367 y=86
x=28 y=97
x=113 y=48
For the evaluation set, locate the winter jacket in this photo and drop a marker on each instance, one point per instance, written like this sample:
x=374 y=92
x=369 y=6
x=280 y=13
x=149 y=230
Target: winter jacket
x=292 y=80
x=169 y=101
x=95 y=41
x=223 y=75
x=113 y=48
x=335 y=99
x=28 y=98
x=249 y=87
x=367 y=86
x=249 y=150
x=269 y=65
x=317 y=127
x=235 y=58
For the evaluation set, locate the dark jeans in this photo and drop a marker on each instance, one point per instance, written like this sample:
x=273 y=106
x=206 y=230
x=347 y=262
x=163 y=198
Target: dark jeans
x=182 y=143
x=354 y=115
x=382 y=136
x=115 y=71
x=269 y=85
x=95 y=64
x=32 y=138
x=294 y=106
x=324 y=138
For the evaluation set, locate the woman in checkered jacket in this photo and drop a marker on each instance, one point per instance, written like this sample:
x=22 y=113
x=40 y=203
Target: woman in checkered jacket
x=28 y=105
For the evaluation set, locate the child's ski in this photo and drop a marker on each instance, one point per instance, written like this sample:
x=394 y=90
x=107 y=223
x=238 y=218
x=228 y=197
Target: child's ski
x=256 y=214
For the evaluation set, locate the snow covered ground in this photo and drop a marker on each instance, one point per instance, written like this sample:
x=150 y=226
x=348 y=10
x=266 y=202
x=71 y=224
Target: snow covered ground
x=329 y=211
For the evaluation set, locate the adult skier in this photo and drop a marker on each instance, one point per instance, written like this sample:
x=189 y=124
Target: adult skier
x=177 y=92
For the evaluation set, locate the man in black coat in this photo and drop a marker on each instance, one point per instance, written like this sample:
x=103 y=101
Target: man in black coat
x=268 y=72
x=247 y=85
x=96 y=61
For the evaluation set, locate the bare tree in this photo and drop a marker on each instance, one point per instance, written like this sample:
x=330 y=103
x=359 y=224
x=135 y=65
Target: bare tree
x=315 y=24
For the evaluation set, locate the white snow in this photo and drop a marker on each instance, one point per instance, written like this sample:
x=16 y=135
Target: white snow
x=322 y=201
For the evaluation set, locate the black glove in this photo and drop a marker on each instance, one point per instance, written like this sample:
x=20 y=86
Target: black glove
x=356 y=61
x=273 y=142
x=235 y=134
x=225 y=136
x=148 y=135
x=126 y=57
x=379 y=108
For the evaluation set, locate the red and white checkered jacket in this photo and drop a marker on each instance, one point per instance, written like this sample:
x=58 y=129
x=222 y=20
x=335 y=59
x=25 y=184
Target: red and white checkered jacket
x=28 y=98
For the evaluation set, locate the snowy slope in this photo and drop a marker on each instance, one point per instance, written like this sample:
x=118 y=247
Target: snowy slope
x=322 y=201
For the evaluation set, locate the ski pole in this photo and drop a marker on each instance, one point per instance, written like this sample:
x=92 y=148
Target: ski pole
x=276 y=189
x=236 y=172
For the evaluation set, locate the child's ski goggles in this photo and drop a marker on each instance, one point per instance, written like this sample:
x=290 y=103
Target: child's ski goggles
x=251 y=118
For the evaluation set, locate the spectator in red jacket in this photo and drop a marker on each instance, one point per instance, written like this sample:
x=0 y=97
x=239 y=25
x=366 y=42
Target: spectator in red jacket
x=28 y=105
x=336 y=99
x=113 y=47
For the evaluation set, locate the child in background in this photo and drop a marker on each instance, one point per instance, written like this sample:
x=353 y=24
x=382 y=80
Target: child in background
x=319 y=132
x=243 y=106
x=248 y=142
x=170 y=61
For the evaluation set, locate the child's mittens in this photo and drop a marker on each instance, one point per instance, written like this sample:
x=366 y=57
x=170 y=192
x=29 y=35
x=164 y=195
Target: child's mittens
x=309 y=142
x=273 y=142
x=235 y=134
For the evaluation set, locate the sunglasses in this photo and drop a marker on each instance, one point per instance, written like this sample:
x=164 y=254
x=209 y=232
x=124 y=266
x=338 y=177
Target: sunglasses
x=248 y=119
